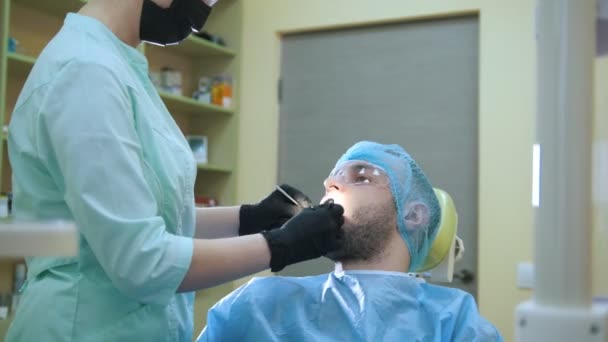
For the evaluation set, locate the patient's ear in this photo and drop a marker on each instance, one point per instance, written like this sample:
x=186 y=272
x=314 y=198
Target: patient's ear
x=417 y=215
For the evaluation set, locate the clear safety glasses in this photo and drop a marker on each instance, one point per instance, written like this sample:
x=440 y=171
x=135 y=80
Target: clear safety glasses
x=359 y=173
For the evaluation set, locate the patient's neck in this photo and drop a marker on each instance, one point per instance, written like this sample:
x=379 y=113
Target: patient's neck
x=394 y=258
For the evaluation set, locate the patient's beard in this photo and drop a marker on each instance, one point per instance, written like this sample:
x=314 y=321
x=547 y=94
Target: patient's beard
x=367 y=234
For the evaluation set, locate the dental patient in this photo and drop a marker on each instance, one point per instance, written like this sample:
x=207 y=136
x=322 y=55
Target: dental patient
x=391 y=216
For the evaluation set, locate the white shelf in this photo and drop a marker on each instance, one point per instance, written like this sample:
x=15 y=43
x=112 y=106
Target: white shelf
x=25 y=239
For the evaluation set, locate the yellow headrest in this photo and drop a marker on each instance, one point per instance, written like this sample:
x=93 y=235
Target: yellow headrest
x=446 y=233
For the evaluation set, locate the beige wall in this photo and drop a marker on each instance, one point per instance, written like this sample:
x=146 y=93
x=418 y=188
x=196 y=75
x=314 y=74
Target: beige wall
x=600 y=237
x=506 y=118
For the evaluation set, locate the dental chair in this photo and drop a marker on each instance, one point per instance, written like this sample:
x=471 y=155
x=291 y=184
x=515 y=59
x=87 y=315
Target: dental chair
x=447 y=247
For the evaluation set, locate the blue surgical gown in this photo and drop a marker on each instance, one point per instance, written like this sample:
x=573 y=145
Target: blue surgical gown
x=347 y=306
x=91 y=141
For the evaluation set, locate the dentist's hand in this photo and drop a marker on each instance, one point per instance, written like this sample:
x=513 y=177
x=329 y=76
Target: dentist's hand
x=272 y=212
x=309 y=235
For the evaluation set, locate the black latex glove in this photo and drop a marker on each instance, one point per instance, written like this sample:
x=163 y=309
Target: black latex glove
x=272 y=212
x=311 y=234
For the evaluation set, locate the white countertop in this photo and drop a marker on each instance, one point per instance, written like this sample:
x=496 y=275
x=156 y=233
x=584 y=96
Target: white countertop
x=24 y=239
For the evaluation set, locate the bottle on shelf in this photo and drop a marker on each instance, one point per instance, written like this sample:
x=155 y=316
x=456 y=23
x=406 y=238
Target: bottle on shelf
x=203 y=93
x=206 y=201
x=171 y=81
x=227 y=92
x=216 y=91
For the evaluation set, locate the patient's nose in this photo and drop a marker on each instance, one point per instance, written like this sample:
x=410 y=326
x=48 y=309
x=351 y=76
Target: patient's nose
x=332 y=184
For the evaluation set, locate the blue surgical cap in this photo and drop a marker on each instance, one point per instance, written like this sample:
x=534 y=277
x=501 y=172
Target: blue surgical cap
x=408 y=185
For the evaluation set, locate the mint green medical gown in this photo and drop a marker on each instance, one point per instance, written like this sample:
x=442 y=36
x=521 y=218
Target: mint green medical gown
x=354 y=306
x=91 y=141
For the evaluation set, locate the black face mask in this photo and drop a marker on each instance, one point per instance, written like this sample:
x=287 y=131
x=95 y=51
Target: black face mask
x=166 y=26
